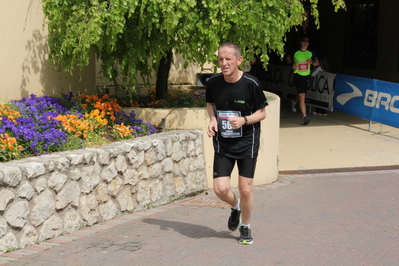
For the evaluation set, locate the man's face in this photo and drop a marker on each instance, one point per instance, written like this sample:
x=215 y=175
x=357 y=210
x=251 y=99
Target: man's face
x=305 y=42
x=228 y=61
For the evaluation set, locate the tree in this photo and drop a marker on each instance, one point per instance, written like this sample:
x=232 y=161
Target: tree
x=133 y=37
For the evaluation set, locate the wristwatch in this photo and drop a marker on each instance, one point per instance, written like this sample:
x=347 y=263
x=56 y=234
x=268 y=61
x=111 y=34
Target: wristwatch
x=246 y=120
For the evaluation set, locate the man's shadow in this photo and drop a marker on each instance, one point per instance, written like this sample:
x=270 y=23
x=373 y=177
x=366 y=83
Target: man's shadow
x=189 y=230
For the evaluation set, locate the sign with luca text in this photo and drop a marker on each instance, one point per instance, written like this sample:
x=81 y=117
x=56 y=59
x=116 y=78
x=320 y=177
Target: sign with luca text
x=280 y=80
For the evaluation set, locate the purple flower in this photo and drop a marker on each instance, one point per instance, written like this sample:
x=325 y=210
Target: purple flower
x=38 y=132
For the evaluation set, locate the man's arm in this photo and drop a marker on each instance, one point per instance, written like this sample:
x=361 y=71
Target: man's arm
x=290 y=62
x=288 y=59
x=213 y=124
x=237 y=122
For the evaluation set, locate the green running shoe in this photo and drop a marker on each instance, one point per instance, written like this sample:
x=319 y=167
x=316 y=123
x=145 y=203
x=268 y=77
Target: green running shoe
x=245 y=236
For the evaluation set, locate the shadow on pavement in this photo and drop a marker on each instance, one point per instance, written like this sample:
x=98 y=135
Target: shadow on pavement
x=190 y=230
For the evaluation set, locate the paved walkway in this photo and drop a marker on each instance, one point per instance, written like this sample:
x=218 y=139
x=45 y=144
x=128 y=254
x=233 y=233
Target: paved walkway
x=334 y=141
x=307 y=219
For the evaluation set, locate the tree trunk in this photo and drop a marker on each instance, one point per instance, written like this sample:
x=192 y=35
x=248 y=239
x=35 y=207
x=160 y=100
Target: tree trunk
x=163 y=75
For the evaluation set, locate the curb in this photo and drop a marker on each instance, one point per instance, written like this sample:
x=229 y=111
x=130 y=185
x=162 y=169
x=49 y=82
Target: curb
x=339 y=170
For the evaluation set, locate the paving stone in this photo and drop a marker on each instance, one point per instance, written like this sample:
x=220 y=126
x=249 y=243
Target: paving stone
x=311 y=219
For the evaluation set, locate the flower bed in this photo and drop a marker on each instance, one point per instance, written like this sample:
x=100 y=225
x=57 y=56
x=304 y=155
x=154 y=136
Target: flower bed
x=39 y=125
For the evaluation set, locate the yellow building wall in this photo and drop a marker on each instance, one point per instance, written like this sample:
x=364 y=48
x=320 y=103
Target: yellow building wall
x=24 y=64
x=25 y=68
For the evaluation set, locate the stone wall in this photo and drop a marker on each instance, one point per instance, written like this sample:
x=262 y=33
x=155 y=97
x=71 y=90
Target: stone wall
x=46 y=196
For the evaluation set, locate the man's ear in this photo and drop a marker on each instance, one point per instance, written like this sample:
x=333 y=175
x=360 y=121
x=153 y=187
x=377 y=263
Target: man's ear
x=239 y=60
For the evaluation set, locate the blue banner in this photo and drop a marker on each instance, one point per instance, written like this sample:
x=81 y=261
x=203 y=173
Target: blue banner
x=370 y=99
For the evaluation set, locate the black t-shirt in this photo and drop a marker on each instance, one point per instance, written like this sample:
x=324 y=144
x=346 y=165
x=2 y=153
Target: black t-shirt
x=245 y=96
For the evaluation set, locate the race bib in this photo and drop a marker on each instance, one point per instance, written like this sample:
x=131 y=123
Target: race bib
x=303 y=66
x=225 y=128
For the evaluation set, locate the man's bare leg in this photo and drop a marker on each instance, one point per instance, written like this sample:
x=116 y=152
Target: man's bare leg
x=245 y=186
x=221 y=186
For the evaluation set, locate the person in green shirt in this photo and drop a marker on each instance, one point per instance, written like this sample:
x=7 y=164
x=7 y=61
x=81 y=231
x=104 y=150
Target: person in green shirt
x=301 y=62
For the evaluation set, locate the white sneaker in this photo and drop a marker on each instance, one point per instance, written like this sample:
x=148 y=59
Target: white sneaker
x=293 y=104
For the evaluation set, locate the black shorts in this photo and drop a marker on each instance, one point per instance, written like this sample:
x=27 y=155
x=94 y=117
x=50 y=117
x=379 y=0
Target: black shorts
x=223 y=166
x=302 y=83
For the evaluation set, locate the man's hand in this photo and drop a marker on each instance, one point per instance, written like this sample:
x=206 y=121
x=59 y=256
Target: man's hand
x=212 y=128
x=236 y=122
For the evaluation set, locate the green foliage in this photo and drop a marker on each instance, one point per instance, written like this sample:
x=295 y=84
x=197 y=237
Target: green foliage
x=73 y=143
x=132 y=36
x=149 y=206
x=93 y=139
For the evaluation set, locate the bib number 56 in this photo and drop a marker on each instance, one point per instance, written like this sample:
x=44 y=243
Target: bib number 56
x=226 y=124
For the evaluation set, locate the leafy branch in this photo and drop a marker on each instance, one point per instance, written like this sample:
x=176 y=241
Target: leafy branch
x=133 y=37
